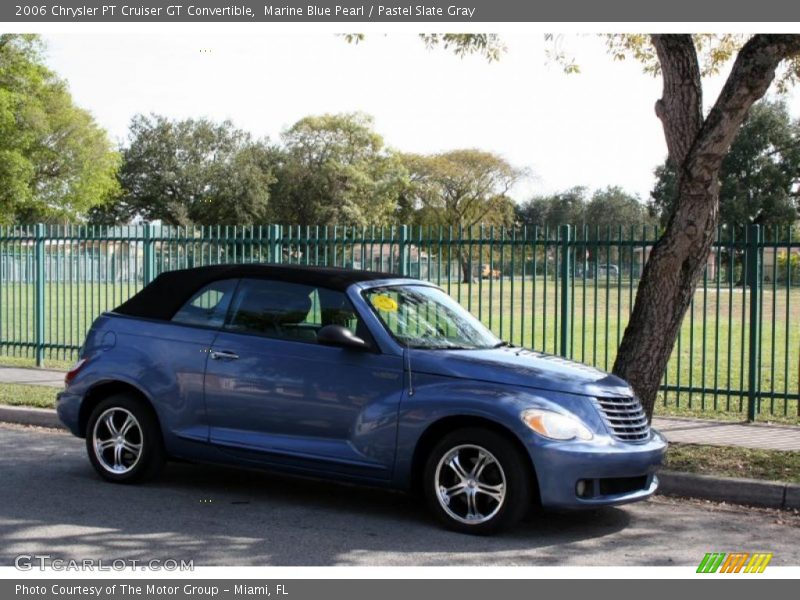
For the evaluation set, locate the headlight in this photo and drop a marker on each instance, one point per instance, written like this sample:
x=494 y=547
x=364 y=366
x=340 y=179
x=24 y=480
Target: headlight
x=555 y=426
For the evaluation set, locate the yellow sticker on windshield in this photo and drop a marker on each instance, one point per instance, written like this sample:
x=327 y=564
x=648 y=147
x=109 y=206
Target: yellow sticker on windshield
x=384 y=303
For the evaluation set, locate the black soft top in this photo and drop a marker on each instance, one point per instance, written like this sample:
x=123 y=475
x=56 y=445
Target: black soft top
x=169 y=291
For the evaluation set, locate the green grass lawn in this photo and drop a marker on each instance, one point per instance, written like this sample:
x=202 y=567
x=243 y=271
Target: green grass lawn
x=711 y=353
x=27 y=395
x=726 y=461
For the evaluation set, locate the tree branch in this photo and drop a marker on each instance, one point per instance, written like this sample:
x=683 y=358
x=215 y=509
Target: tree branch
x=681 y=105
x=751 y=75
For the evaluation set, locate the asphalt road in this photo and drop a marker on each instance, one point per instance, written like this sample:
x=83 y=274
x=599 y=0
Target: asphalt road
x=52 y=502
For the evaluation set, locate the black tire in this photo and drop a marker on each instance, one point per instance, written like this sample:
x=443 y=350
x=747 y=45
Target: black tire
x=506 y=465
x=133 y=467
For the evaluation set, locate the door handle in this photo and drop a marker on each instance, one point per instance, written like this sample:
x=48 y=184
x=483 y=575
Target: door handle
x=223 y=355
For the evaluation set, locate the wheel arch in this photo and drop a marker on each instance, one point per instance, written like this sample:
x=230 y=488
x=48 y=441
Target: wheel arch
x=441 y=427
x=100 y=391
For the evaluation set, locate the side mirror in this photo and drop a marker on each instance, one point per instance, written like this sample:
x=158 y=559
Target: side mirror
x=338 y=335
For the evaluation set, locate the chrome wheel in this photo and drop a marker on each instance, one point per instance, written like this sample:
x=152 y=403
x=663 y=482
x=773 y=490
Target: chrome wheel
x=470 y=484
x=117 y=440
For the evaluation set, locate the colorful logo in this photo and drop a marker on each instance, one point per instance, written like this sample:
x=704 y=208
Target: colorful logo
x=735 y=562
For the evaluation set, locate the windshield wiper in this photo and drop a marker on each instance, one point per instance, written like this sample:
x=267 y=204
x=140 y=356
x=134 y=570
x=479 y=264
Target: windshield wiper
x=453 y=347
x=501 y=345
x=447 y=347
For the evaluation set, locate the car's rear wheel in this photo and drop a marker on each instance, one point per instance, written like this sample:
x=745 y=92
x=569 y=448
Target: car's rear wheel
x=124 y=441
x=476 y=481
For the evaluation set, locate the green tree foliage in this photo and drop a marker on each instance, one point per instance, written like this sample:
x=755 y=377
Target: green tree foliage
x=335 y=169
x=192 y=172
x=759 y=176
x=55 y=162
x=604 y=212
x=611 y=209
x=461 y=188
x=564 y=208
x=462 y=44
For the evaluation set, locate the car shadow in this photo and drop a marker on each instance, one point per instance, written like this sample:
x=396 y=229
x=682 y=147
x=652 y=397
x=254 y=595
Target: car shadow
x=53 y=503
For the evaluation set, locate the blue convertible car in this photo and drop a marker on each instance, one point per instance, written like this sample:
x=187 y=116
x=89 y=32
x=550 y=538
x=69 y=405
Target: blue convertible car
x=357 y=376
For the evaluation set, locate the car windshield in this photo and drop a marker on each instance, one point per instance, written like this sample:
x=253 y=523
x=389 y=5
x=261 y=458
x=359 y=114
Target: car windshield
x=419 y=316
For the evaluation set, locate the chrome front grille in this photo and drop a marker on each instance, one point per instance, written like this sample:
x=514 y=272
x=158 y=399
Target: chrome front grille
x=625 y=418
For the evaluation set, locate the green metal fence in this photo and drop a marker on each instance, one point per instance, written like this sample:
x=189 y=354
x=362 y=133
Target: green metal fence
x=567 y=291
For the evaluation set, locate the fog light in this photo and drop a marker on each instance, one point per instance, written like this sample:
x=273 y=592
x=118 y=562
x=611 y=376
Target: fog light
x=583 y=488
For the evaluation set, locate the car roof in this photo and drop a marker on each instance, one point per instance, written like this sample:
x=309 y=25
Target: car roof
x=170 y=290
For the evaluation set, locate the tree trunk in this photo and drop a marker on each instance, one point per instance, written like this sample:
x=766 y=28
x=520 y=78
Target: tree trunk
x=666 y=289
x=698 y=147
x=466 y=267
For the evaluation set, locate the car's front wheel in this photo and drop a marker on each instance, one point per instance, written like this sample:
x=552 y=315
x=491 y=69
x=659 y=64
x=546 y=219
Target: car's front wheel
x=476 y=481
x=124 y=441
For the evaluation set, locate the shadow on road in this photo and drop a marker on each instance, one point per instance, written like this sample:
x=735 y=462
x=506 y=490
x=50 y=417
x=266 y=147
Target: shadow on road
x=52 y=502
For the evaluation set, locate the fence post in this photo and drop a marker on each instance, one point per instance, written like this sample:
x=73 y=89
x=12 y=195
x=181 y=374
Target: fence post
x=566 y=239
x=149 y=254
x=403 y=259
x=39 y=293
x=275 y=237
x=753 y=280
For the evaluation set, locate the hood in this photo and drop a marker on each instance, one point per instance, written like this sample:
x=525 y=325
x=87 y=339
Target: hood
x=518 y=366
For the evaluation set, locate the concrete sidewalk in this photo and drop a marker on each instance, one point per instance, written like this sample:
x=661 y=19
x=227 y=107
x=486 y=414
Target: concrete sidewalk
x=25 y=376
x=729 y=433
x=683 y=430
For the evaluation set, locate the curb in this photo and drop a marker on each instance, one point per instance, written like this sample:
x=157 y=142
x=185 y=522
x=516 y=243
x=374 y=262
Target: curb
x=753 y=492
x=25 y=415
x=771 y=494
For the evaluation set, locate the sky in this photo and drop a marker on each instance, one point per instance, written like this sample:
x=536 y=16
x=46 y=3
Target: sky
x=594 y=129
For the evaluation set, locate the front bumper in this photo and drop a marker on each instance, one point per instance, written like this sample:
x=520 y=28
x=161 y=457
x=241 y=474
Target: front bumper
x=612 y=472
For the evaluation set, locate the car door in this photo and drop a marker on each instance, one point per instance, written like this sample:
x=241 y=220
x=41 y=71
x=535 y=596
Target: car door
x=177 y=352
x=274 y=395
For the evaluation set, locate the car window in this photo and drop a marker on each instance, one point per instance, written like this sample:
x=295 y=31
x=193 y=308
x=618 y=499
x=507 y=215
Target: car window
x=290 y=311
x=208 y=306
